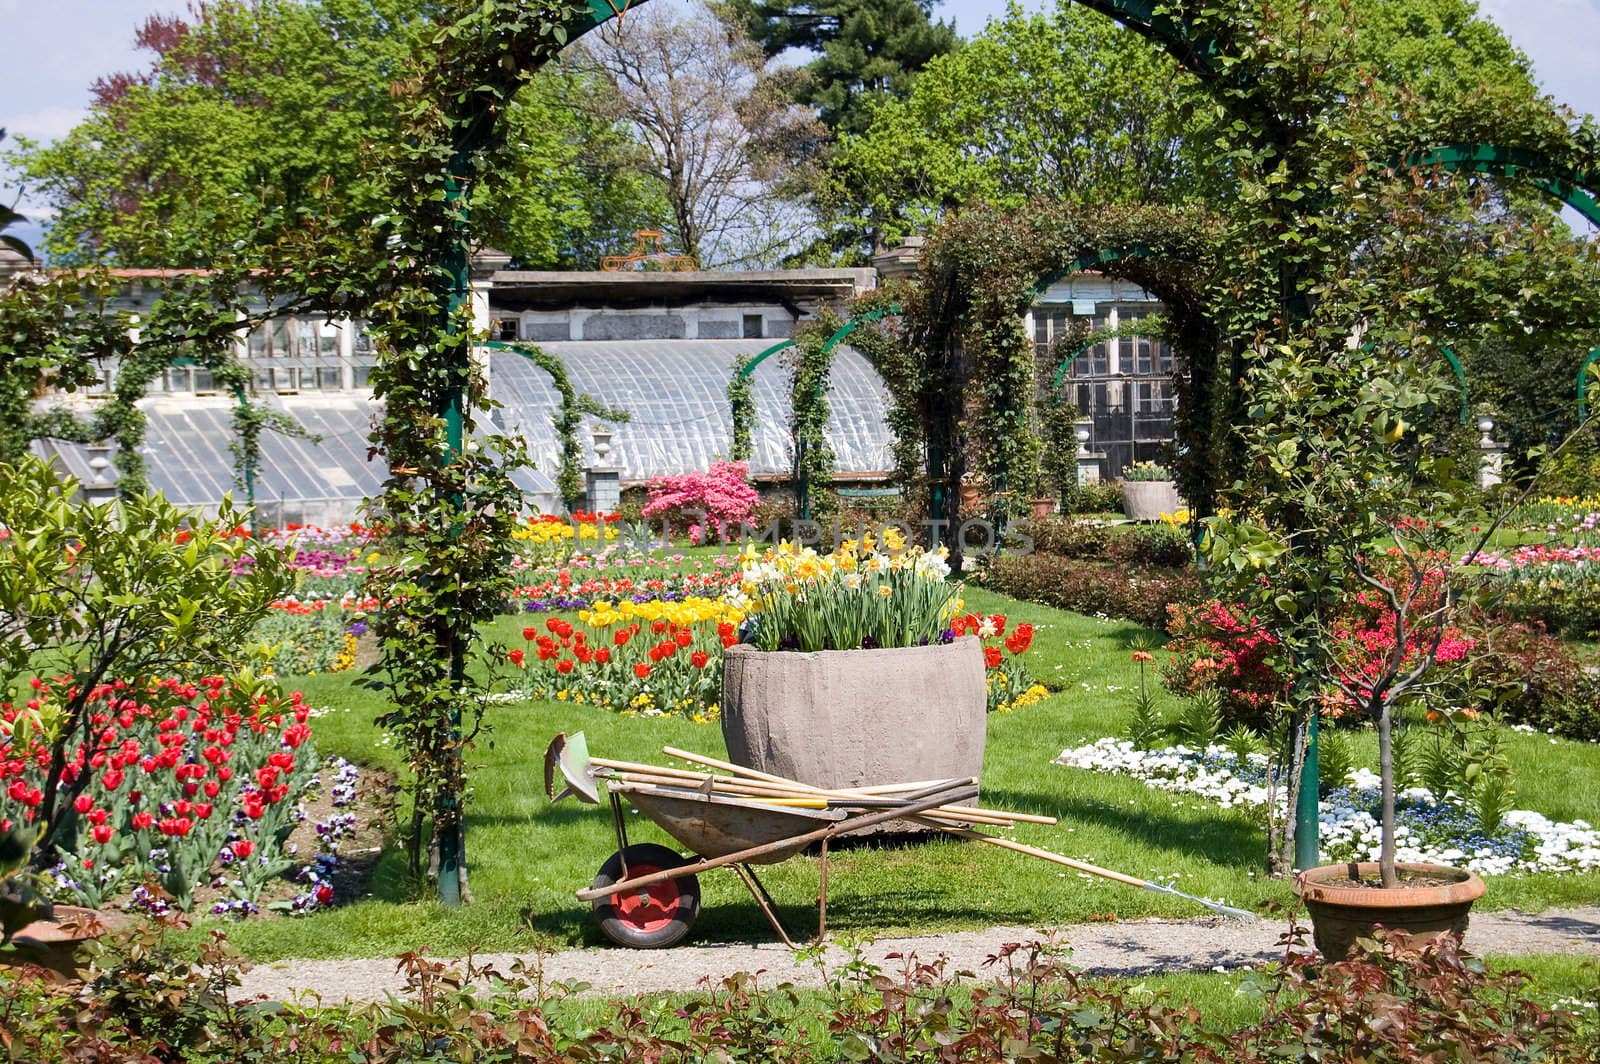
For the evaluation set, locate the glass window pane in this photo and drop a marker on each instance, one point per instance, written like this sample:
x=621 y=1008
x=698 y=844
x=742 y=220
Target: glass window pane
x=329 y=378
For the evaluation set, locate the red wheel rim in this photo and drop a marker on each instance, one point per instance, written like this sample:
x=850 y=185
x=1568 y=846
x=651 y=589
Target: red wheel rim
x=648 y=908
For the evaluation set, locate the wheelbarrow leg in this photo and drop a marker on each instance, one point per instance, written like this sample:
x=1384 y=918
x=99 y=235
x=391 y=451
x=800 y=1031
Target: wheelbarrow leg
x=622 y=831
x=822 y=895
x=764 y=900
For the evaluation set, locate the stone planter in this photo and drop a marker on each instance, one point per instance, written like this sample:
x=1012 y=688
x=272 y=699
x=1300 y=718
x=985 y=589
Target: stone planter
x=855 y=718
x=1342 y=910
x=1043 y=509
x=1147 y=500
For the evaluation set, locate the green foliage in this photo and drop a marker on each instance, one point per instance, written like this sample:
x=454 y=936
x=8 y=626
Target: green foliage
x=867 y=51
x=251 y=107
x=1200 y=723
x=812 y=359
x=742 y=410
x=1062 y=105
x=1241 y=743
x=1147 y=728
x=122 y=591
x=1335 y=759
x=568 y=420
x=1135 y=593
x=148 y=998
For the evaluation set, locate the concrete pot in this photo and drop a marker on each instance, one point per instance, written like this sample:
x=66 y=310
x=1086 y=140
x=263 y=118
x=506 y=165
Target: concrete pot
x=1147 y=500
x=1043 y=509
x=855 y=718
x=1343 y=911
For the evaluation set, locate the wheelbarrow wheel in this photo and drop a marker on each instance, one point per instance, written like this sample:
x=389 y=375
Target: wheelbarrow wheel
x=650 y=917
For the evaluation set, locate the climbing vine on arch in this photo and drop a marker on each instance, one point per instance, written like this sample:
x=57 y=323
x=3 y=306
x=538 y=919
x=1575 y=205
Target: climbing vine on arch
x=978 y=369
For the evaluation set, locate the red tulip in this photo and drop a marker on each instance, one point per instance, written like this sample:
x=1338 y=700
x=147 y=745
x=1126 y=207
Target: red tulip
x=642 y=671
x=699 y=659
x=530 y=634
x=517 y=658
x=83 y=803
x=684 y=637
x=102 y=833
x=213 y=788
x=141 y=821
x=621 y=637
x=602 y=655
x=324 y=894
x=203 y=810
x=565 y=666
x=991 y=657
x=243 y=848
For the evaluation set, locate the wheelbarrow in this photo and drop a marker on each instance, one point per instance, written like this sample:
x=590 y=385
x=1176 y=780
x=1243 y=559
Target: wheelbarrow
x=647 y=896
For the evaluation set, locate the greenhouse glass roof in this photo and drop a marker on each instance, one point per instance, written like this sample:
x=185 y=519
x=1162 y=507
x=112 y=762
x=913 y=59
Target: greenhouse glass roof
x=675 y=390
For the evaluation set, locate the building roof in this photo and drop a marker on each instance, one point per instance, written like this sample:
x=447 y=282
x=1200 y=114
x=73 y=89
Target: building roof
x=594 y=288
x=676 y=394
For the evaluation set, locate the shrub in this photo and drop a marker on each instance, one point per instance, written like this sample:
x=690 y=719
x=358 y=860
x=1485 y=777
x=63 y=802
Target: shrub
x=710 y=502
x=1138 y=594
x=1070 y=538
x=1158 y=545
x=151 y=1000
x=1538 y=679
x=1101 y=497
x=1219 y=647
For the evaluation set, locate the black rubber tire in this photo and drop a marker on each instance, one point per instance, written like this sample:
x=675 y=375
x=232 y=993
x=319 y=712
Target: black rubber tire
x=682 y=897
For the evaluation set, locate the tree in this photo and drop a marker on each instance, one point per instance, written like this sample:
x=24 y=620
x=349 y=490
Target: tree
x=867 y=50
x=255 y=106
x=1065 y=106
x=712 y=129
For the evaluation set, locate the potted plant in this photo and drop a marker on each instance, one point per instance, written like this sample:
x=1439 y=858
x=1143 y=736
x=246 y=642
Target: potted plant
x=1351 y=499
x=1148 y=491
x=849 y=673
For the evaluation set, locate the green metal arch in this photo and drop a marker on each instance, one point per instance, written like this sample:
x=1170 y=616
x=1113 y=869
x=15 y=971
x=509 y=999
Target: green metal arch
x=1569 y=186
x=750 y=367
x=1088 y=262
x=844 y=330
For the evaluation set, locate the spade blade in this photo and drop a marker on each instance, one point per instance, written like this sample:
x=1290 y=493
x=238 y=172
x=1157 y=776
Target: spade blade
x=571 y=757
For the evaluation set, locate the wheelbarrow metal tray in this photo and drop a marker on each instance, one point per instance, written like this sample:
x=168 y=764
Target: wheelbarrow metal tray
x=714 y=825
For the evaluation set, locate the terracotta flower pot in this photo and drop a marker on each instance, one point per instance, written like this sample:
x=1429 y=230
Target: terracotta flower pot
x=1043 y=509
x=854 y=718
x=56 y=944
x=1147 y=500
x=1343 y=910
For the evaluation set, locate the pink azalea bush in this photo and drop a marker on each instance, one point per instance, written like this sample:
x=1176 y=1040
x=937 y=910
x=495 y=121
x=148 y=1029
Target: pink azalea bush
x=722 y=497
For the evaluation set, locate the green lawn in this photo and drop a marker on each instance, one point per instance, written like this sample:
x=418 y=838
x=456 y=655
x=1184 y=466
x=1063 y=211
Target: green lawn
x=527 y=857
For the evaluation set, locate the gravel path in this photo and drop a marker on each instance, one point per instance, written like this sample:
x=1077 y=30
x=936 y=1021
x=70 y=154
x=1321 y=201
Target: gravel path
x=1136 y=947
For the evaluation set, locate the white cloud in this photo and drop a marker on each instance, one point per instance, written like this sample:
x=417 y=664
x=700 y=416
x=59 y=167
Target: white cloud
x=45 y=124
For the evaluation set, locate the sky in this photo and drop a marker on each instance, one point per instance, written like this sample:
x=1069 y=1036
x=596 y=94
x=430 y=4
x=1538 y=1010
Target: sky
x=51 y=51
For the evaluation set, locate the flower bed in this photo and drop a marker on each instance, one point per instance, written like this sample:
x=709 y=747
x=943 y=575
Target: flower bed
x=589 y=579
x=1428 y=830
x=180 y=785
x=1555 y=583
x=646 y=658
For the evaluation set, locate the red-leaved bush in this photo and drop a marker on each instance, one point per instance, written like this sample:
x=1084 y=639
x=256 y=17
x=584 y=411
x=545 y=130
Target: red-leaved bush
x=721 y=497
x=1222 y=647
